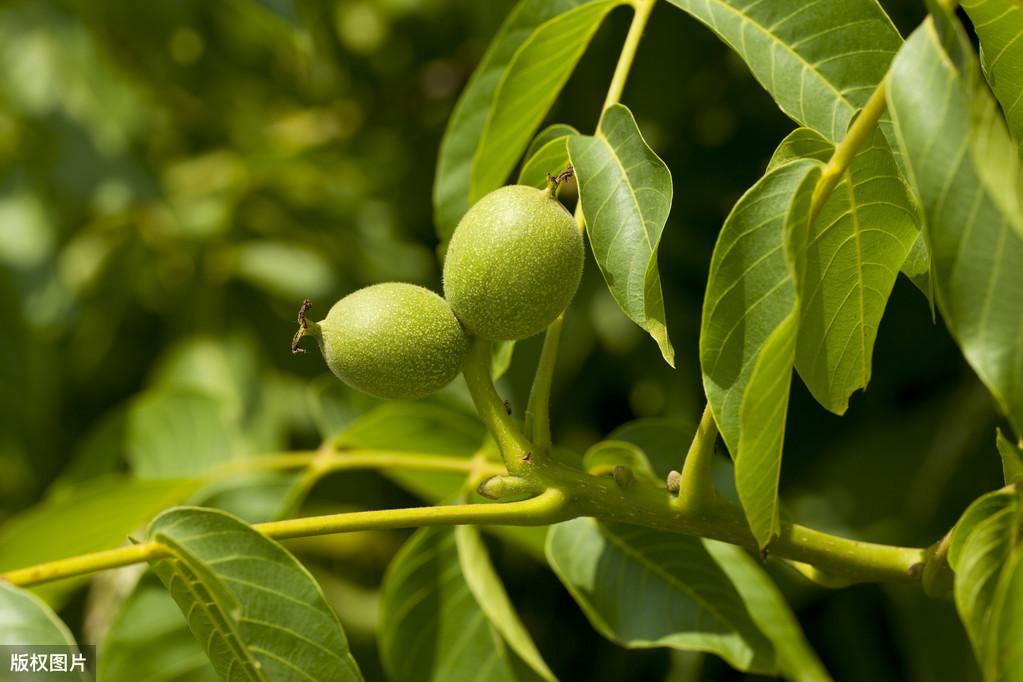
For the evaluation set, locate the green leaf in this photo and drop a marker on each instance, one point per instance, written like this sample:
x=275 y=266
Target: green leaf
x=856 y=246
x=500 y=358
x=642 y=588
x=27 y=620
x=150 y=640
x=663 y=441
x=603 y=457
x=515 y=84
x=255 y=608
x=486 y=587
x=999 y=24
x=1012 y=458
x=625 y=190
x=949 y=135
x=423 y=427
x=286 y=270
x=548 y=154
x=820 y=62
x=987 y=556
x=282 y=9
x=95 y=515
x=179 y=433
x=766 y=604
x=432 y=626
x=748 y=335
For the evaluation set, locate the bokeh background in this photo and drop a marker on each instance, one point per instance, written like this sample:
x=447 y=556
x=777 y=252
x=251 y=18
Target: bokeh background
x=175 y=177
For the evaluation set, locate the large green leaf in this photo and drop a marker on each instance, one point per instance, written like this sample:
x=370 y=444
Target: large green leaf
x=175 y=434
x=625 y=190
x=547 y=154
x=643 y=588
x=255 y=608
x=987 y=556
x=486 y=587
x=748 y=334
x=432 y=627
x=507 y=97
x=954 y=144
x=999 y=24
x=150 y=640
x=766 y=604
x=856 y=246
x=26 y=620
x=819 y=60
x=95 y=515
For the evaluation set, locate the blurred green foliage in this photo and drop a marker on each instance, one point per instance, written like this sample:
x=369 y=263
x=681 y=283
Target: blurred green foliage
x=175 y=177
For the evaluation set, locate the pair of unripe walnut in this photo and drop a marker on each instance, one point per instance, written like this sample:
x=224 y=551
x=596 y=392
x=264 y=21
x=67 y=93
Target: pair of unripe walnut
x=513 y=265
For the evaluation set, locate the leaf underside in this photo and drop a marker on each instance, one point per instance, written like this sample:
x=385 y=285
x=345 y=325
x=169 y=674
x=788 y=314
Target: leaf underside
x=253 y=606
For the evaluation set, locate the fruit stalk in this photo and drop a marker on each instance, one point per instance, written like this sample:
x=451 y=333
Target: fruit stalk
x=516 y=450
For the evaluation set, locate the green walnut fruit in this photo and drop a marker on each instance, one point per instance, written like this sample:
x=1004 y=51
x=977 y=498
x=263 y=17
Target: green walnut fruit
x=393 y=340
x=513 y=264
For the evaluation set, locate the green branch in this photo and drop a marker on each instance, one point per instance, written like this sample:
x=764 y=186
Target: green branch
x=543 y=509
x=538 y=420
x=696 y=487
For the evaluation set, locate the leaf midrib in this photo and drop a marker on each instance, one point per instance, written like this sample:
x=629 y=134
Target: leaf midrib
x=233 y=639
x=747 y=20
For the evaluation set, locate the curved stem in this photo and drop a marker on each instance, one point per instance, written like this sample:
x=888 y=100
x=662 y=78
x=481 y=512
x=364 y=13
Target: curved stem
x=696 y=488
x=538 y=420
x=329 y=461
x=628 y=54
x=515 y=449
x=938 y=576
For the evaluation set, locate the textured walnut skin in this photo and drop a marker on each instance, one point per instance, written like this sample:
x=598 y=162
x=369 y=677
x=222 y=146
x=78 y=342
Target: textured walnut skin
x=513 y=264
x=393 y=340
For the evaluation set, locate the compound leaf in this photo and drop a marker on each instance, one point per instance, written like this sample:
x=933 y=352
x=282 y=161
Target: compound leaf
x=625 y=190
x=255 y=608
